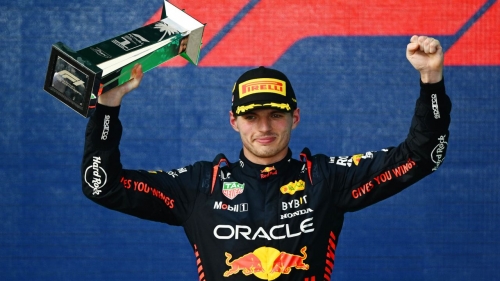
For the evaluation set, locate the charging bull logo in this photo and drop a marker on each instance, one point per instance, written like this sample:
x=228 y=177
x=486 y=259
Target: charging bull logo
x=267 y=172
x=266 y=263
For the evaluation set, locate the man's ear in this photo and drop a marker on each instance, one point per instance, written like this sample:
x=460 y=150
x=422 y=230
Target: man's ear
x=232 y=121
x=295 y=118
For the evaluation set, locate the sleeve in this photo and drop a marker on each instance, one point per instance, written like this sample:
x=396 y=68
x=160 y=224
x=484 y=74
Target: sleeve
x=156 y=195
x=361 y=180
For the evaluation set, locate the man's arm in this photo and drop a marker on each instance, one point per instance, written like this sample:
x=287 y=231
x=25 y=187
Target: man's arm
x=375 y=176
x=160 y=196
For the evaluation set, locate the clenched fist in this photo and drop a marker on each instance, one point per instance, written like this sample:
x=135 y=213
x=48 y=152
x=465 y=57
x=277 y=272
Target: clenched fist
x=426 y=56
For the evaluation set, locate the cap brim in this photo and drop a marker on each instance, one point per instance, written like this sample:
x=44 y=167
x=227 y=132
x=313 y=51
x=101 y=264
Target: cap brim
x=246 y=108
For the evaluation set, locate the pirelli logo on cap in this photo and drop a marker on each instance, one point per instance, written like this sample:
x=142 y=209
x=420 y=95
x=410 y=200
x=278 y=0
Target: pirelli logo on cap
x=260 y=85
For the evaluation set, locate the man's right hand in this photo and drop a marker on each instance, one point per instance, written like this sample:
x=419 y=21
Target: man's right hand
x=114 y=96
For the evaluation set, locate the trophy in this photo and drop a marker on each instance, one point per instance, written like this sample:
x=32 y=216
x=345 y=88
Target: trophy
x=76 y=78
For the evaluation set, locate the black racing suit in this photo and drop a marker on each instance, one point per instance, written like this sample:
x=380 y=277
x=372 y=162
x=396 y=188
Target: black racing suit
x=275 y=222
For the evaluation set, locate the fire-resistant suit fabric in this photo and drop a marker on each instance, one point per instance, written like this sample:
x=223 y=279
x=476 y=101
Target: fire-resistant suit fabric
x=275 y=222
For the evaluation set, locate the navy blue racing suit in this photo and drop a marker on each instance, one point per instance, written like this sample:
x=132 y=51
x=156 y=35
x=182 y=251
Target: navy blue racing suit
x=253 y=222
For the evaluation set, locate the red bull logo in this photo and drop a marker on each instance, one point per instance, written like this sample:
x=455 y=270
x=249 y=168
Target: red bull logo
x=266 y=263
x=267 y=172
x=248 y=264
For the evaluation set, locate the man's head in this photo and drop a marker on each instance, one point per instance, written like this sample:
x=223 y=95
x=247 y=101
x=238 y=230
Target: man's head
x=264 y=112
x=263 y=88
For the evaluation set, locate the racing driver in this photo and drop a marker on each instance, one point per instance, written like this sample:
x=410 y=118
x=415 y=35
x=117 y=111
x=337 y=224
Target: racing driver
x=267 y=216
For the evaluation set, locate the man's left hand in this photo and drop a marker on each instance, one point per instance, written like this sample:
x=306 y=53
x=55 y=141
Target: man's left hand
x=426 y=56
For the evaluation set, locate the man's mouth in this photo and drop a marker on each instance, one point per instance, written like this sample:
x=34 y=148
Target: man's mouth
x=265 y=139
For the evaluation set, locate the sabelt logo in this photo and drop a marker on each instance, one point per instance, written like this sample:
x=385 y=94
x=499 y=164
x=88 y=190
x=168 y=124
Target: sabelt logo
x=277 y=232
x=95 y=176
x=105 y=130
x=435 y=107
x=268 y=85
x=437 y=154
x=266 y=263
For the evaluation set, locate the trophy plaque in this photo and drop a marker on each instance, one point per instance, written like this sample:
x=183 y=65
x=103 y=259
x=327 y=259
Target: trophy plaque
x=77 y=78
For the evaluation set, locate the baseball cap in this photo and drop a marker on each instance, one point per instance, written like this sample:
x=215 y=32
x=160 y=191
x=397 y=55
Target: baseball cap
x=262 y=88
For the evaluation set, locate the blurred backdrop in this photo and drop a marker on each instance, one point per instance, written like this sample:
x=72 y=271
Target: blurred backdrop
x=346 y=61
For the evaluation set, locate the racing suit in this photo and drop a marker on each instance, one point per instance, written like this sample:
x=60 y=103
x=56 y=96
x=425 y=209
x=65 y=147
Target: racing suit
x=253 y=222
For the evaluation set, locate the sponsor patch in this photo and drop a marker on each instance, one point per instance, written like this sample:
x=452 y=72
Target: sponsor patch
x=267 y=172
x=268 y=85
x=105 y=129
x=232 y=189
x=266 y=263
x=435 y=107
x=296 y=213
x=242 y=207
x=293 y=187
x=95 y=176
x=437 y=154
x=276 y=232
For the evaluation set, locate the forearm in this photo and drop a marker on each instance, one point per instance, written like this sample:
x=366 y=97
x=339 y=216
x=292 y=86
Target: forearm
x=101 y=161
x=429 y=130
x=381 y=174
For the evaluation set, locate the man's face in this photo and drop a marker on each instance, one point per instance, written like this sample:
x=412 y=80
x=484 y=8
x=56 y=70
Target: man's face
x=265 y=133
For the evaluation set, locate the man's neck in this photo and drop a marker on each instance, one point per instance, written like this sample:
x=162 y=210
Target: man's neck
x=265 y=160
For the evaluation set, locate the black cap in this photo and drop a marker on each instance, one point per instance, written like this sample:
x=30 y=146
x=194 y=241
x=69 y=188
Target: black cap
x=263 y=88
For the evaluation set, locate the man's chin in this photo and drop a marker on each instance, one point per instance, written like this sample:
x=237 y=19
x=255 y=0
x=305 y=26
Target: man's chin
x=267 y=152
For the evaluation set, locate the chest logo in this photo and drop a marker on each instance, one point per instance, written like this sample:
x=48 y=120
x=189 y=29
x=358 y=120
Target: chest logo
x=267 y=172
x=293 y=187
x=232 y=189
x=266 y=263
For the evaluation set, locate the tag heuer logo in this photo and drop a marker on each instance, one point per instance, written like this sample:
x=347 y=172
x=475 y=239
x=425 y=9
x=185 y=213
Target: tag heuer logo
x=232 y=189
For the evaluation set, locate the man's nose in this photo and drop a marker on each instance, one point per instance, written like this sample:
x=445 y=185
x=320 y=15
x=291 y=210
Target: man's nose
x=265 y=124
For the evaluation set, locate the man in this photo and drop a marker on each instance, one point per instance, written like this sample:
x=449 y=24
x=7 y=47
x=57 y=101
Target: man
x=268 y=216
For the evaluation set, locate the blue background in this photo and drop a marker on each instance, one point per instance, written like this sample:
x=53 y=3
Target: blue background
x=359 y=97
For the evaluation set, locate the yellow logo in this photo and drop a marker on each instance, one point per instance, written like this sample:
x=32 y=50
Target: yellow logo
x=282 y=106
x=356 y=158
x=266 y=263
x=293 y=187
x=268 y=85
